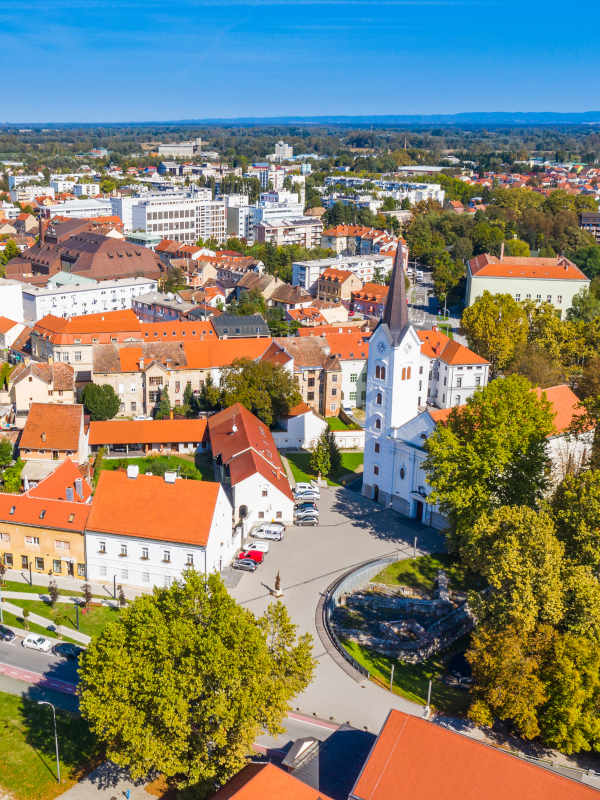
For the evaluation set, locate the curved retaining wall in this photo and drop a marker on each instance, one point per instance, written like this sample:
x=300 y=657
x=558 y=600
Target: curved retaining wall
x=353 y=579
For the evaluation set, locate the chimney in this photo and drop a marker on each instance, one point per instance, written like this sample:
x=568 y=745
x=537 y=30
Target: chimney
x=234 y=428
x=502 y=251
x=69 y=493
x=43 y=436
x=141 y=363
x=79 y=487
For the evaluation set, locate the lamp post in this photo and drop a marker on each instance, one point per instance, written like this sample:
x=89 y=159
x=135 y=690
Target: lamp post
x=46 y=703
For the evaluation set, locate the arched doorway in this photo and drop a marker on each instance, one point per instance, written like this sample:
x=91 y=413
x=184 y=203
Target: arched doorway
x=376 y=493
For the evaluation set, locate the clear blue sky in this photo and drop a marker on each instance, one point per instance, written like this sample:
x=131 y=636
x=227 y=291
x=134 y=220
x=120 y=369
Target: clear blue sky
x=93 y=60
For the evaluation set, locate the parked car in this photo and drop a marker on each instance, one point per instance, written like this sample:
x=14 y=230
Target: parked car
x=273 y=530
x=254 y=555
x=309 y=512
x=308 y=519
x=313 y=487
x=36 y=642
x=68 y=650
x=6 y=635
x=306 y=504
x=262 y=547
x=306 y=495
x=245 y=564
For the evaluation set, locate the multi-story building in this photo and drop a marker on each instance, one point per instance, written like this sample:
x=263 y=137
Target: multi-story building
x=304 y=231
x=337 y=285
x=239 y=216
x=81 y=209
x=181 y=149
x=82 y=296
x=365 y=267
x=283 y=152
x=352 y=352
x=183 y=216
x=370 y=300
x=40 y=382
x=146 y=530
x=86 y=189
x=590 y=222
x=455 y=372
x=11 y=299
x=353 y=239
x=541 y=280
x=26 y=194
x=317 y=370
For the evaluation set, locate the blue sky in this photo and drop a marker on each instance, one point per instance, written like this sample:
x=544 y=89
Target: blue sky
x=91 y=60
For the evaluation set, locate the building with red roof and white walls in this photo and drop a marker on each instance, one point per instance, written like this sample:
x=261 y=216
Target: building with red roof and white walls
x=542 y=280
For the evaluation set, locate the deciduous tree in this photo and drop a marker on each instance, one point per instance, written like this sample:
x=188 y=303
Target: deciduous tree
x=101 y=401
x=185 y=679
x=267 y=390
x=496 y=327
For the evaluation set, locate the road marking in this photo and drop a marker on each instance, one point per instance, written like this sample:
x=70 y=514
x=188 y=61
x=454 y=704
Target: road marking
x=36 y=678
x=318 y=723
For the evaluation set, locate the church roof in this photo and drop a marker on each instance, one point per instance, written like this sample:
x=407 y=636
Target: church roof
x=395 y=314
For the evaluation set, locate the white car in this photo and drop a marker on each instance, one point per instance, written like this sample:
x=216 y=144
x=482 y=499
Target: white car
x=307 y=487
x=272 y=530
x=36 y=642
x=262 y=547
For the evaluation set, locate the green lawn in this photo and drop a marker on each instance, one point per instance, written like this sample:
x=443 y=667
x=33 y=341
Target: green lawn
x=17 y=586
x=338 y=424
x=200 y=468
x=412 y=680
x=447 y=329
x=27 y=756
x=91 y=622
x=421 y=572
x=300 y=465
x=19 y=622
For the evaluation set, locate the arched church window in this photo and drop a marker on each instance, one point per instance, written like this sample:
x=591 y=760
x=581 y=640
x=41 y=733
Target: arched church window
x=402 y=472
x=378 y=424
x=379 y=399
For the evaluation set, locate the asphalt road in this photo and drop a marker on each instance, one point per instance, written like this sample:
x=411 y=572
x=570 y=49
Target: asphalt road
x=49 y=665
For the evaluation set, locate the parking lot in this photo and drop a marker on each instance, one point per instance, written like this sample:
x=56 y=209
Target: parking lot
x=351 y=530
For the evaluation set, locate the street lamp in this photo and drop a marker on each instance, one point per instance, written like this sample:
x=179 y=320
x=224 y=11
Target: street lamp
x=46 y=703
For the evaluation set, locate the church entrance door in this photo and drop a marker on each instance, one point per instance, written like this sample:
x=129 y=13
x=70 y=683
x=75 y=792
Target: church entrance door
x=376 y=493
x=419 y=511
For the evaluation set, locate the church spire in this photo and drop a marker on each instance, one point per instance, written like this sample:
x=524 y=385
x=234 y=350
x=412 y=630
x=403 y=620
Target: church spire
x=395 y=315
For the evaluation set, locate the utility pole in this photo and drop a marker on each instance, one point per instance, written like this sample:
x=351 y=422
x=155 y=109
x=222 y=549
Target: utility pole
x=392 y=678
x=114 y=587
x=46 y=703
x=428 y=706
x=415 y=548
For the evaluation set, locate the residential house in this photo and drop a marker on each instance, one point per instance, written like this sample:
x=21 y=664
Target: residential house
x=43 y=535
x=352 y=352
x=317 y=370
x=40 y=382
x=54 y=432
x=541 y=280
x=232 y=326
x=248 y=464
x=150 y=436
x=455 y=372
x=419 y=759
x=337 y=285
x=264 y=283
x=370 y=300
x=289 y=298
x=68 y=481
x=303 y=231
x=299 y=429
x=9 y=332
x=146 y=530
x=267 y=782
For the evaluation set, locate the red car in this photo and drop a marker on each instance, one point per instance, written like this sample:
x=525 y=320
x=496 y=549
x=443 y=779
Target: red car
x=255 y=555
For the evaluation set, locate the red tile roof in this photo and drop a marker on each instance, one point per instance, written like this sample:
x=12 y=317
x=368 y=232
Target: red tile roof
x=414 y=758
x=337 y=275
x=44 y=513
x=565 y=404
x=150 y=508
x=266 y=782
x=349 y=346
x=486 y=265
x=50 y=426
x=151 y=431
x=373 y=292
x=236 y=435
x=436 y=344
x=55 y=485
x=177 y=330
x=6 y=324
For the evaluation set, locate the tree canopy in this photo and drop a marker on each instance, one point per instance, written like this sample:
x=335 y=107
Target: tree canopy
x=267 y=390
x=496 y=327
x=100 y=401
x=491 y=452
x=185 y=679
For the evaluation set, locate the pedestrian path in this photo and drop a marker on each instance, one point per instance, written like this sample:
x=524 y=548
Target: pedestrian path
x=44 y=622
x=62 y=598
x=107 y=782
x=36 y=678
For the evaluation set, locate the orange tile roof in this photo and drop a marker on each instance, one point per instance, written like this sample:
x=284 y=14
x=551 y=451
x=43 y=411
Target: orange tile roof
x=55 y=485
x=6 y=324
x=436 y=344
x=349 y=346
x=267 y=782
x=150 y=508
x=486 y=265
x=119 y=324
x=236 y=435
x=375 y=292
x=565 y=404
x=148 y=431
x=50 y=426
x=308 y=314
x=301 y=408
x=419 y=759
x=176 y=330
x=222 y=352
x=44 y=513
x=338 y=275
x=327 y=330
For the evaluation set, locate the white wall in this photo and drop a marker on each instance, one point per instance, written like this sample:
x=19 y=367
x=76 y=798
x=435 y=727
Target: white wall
x=11 y=300
x=272 y=507
x=302 y=431
x=526 y=289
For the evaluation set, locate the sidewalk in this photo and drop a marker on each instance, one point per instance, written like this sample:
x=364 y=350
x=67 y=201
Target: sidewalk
x=72 y=584
x=62 y=598
x=107 y=782
x=44 y=622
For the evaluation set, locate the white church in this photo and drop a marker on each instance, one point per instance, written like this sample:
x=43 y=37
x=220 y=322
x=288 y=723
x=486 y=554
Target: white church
x=410 y=371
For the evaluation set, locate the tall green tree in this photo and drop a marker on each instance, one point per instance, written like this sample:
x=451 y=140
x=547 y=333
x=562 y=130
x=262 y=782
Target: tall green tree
x=496 y=327
x=163 y=407
x=185 y=679
x=266 y=389
x=6 y=452
x=490 y=453
x=100 y=401
x=576 y=510
x=320 y=455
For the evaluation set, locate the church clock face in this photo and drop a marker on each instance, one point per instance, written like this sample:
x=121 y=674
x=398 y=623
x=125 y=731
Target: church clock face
x=381 y=347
